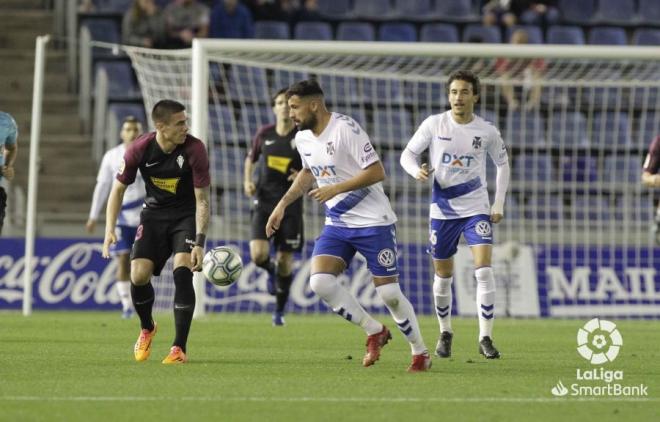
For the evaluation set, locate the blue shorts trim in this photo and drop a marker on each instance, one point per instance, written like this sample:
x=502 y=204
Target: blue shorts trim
x=376 y=244
x=125 y=239
x=445 y=234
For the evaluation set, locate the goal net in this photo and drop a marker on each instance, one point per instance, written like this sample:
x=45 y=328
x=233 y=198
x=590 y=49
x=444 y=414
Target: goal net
x=577 y=239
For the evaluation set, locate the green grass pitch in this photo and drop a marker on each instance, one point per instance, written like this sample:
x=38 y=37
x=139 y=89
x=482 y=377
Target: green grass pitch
x=79 y=367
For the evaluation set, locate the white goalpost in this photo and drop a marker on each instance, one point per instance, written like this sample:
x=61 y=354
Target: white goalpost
x=576 y=236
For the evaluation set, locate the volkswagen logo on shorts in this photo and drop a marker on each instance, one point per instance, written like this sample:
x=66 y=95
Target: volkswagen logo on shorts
x=386 y=257
x=483 y=228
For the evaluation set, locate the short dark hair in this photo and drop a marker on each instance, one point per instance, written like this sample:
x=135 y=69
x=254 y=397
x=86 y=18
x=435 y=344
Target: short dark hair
x=273 y=98
x=467 y=76
x=304 y=88
x=131 y=120
x=164 y=109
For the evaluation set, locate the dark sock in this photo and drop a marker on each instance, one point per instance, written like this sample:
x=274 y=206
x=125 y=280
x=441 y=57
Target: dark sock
x=282 y=293
x=143 y=302
x=267 y=265
x=184 y=305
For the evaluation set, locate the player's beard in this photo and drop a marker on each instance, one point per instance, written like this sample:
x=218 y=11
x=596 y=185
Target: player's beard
x=310 y=123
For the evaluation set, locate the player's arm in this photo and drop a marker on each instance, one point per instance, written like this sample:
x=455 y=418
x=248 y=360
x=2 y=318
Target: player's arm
x=650 y=176
x=111 y=213
x=651 y=180
x=373 y=174
x=501 y=187
x=10 y=156
x=301 y=184
x=248 y=184
x=202 y=212
x=410 y=163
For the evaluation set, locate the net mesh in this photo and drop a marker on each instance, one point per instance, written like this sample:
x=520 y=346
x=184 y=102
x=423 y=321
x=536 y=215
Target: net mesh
x=577 y=132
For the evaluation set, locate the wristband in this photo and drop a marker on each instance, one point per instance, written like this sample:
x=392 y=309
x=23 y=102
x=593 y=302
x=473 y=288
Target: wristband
x=200 y=239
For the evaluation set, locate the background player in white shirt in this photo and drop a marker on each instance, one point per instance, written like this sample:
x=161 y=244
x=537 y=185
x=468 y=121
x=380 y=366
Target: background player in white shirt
x=129 y=217
x=337 y=154
x=459 y=142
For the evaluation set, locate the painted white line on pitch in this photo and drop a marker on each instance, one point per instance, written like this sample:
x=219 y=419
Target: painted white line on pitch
x=335 y=399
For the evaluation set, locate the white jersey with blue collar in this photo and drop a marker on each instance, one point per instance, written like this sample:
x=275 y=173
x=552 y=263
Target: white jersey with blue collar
x=340 y=152
x=131 y=206
x=458 y=155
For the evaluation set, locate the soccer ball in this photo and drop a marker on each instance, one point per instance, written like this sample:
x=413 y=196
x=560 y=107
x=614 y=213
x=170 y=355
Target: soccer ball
x=222 y=265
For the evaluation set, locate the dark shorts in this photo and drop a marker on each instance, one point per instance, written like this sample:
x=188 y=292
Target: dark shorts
x=3 y=206
x=288 y=238
x=158 y=237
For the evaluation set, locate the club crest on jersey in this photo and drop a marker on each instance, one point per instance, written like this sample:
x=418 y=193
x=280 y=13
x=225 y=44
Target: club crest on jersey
x=330 y=148
x=476 y=142
x=179 y=160
x=483 y=228
x=386 y=257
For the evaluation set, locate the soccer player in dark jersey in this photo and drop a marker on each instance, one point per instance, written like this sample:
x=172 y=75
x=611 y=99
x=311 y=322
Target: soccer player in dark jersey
x=651 y=178
x=174 y=219
x=274 y=149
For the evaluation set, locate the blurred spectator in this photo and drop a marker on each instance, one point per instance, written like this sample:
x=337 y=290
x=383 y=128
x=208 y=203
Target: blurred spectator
x=272 y=10
x=143 y=25
x=529 y=71
x=309 y=12
x=498 y=12
x=185 y=20
x=536 y=12
x=86 y=6
x=231 y=19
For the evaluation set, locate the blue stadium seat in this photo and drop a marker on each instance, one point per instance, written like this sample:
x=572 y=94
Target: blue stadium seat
x=254 y=117
x=430 y=97
x=534 y=33
x=248 y=83
x=455 y=11
x=568 y=129
x=117 y=6
x=622 y=169
x=611 y=130
x=616 y=12
x=645 y=127
x=122 y=84
x=396 y=176
x=646 y=36
x=383 y=91
x=644 y=97
x=602 y=35
x=544 y=207
x=226 y=163
x=533 y=168
x=592 y=209
x=558 y=34
x=397 y=31
x=223 y=126
x=581 y=169
x=272 y=30
x=313 y=31
x=285 y=78
x=525 y=129
x=372 y=9
x=648 y=12
x=336 y=9
x=636 y=208
x=339 y=89
x=356 y=31
x=412 y=9
x=488 y=115
x=102 y=29
x=391 y=126
x=577 y=11
x=358 y=114
x=439 y=32
x=489 y=34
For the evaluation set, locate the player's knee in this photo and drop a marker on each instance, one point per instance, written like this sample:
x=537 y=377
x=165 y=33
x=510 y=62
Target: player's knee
x=390 y=294
x=485 y=279
x=260 y=258
x=284 y=266
x=323 y=284
x=140 y=276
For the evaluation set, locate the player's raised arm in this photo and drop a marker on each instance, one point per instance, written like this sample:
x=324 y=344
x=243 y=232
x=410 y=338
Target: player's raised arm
x=302 y=183
x=112 y=211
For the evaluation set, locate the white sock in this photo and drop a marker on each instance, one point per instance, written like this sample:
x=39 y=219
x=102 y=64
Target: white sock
x=485 y=300
x=403 y=314
x=124 y=290
x=343 y=303
x=442 y=296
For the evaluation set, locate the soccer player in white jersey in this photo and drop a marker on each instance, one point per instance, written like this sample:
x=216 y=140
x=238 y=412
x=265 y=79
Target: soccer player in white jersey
x=459 y=142
x=129 y=217
x=338 y=155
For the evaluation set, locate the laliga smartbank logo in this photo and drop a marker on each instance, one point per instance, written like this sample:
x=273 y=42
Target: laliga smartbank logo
x=599 y=342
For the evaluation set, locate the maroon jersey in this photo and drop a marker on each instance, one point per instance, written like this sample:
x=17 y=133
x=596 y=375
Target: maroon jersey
x=169 y=178
x=278 y=157
x=652 y=162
